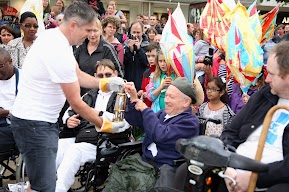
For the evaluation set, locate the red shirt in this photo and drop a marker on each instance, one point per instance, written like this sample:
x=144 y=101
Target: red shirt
x=146 y=81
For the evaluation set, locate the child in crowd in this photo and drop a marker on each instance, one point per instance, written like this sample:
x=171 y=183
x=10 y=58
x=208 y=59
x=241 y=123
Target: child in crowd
x=151 y=33
x=201 y=49
x=216 y=107
x=197 y=34
x=151 y=52
x=238 y=99
x=52 y=22
x=159 y=82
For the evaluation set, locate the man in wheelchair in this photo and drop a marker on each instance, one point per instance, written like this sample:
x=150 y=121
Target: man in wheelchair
x=77 y=143
x=162 y=129
x=245 y=129
x=9 y=77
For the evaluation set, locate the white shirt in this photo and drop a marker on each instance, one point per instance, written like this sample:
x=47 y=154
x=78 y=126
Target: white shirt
x=212 y=128
x=49 y=62
x=273 y=150
x=7 y=92
x=100 y=103
x=102 y=100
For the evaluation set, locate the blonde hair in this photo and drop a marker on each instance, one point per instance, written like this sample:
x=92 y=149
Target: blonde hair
x=99 y=25
x=158 y=71
x=55 y=9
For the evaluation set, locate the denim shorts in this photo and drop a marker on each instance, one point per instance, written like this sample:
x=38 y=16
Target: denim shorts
x=37 y=141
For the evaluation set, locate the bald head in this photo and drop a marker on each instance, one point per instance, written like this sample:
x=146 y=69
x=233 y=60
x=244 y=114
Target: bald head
x=6 y=66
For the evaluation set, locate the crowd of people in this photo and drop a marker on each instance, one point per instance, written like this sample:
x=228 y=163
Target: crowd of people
x=82 y=59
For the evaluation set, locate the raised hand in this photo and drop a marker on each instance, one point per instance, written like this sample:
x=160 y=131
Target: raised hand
x=167 y=82
x=131 y=90
x=112 y=127
x=139 y=105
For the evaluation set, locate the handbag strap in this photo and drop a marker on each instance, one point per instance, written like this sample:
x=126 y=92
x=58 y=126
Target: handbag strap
x=16 y=71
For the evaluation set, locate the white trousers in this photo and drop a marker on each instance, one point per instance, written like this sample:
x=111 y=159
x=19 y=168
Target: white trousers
x=70 y=156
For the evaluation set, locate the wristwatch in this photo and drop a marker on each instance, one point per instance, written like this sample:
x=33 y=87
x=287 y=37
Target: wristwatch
x=100 y=113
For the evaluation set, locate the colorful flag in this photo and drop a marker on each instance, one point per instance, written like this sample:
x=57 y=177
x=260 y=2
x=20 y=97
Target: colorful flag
x=36 y=7
x=255 y=21
x=244 y=55
x=268 y=22
x=177 y=45
x=214 y=23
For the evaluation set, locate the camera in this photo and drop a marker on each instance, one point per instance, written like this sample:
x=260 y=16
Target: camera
x=132 y=37
x=208 y=60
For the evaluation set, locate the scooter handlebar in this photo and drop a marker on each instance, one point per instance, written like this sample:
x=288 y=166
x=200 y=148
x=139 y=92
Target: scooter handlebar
x=212 y=151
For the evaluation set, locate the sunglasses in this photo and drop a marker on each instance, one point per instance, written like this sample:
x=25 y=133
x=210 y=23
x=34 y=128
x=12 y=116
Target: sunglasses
x=28 y=26
x=100 y=75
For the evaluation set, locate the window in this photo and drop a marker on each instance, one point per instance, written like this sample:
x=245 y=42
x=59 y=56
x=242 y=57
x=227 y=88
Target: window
x=4 y=3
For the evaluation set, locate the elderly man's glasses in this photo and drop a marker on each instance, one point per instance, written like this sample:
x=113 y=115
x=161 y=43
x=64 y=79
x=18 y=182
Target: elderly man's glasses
x=2 y=65
x=29 y=26
x=212 y=89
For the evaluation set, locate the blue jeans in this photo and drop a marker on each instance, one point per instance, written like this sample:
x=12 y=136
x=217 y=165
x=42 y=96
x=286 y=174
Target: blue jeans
x=37 y=141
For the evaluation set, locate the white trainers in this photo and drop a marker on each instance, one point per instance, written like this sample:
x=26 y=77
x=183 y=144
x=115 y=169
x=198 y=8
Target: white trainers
x=18 y=187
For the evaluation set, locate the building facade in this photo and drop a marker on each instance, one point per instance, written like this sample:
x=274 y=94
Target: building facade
x=191 y=9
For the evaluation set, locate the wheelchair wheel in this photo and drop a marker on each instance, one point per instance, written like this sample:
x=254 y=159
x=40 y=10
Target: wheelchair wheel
x=127 y=152
x=83 y=178
x=20 y=170
x=8 y=156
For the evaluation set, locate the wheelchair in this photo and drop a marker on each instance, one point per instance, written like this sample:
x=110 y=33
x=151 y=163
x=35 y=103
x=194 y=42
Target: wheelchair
x=94 y=174
x=203 y=123
x=10 y=154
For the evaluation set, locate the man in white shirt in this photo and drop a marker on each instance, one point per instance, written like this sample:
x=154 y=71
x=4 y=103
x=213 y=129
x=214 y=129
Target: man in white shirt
x=46 y=81
x=245 y=129
x=77 y=150
x=9 y=76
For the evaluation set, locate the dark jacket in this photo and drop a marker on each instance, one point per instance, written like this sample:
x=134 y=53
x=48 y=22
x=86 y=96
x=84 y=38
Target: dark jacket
x=135 y=63
x=89 y=98
x=246 y=122
x=163 y=133
x=97 y=5
x=87 y=62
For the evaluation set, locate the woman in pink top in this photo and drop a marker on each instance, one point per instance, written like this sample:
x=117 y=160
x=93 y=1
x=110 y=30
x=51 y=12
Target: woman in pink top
x=110 y=25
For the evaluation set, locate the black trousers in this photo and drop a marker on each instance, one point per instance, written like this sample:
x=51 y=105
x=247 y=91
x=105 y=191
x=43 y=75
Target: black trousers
x=283 y=187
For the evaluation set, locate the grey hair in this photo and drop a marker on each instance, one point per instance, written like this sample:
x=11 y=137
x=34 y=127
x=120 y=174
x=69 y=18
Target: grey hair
x=4 y=54
x=79 y=11
x=61 y=14
x=187 y=97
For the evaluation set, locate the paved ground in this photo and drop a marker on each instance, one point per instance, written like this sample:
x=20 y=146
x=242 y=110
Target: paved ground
x=8 y=181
